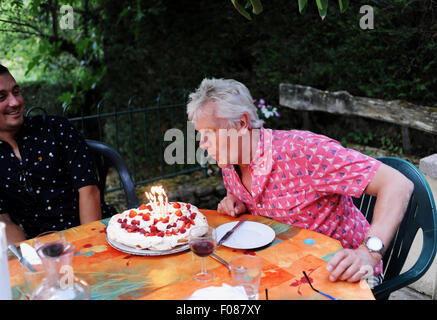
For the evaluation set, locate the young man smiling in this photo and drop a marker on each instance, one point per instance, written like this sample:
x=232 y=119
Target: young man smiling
x=47 y=178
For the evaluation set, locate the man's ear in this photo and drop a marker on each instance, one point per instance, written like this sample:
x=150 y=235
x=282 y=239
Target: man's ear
x=244 y=123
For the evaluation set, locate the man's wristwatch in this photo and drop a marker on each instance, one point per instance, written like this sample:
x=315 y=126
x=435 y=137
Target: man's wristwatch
x=374 y=244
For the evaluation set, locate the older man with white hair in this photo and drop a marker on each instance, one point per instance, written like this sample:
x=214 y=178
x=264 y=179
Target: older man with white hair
x=299 y=178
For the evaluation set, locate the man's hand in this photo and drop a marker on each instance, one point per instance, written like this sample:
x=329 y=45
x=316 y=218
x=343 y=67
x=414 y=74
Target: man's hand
x=352 y=264
x=231 y=205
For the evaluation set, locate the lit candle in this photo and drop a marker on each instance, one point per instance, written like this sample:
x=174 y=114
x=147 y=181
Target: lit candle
x=161 y=204
x=158 y=192
x=166 y=204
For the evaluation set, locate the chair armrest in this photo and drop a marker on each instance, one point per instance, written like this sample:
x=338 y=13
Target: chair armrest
x=422 y=264
x=384 y=289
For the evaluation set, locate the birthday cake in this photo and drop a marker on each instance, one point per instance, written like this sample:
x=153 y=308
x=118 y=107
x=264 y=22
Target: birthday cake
x=155 y=226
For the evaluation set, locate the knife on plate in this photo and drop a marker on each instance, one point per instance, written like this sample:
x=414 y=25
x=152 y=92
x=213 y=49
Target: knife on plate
x=21 y=259
x=228 y=234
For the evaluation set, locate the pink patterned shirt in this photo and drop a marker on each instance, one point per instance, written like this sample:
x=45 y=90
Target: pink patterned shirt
x=307 y=180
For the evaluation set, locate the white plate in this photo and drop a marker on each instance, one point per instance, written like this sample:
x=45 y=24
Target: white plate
x=249 y=235
x=145 y=252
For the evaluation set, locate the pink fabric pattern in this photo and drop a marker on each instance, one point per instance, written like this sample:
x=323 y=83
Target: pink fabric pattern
x=307 y=180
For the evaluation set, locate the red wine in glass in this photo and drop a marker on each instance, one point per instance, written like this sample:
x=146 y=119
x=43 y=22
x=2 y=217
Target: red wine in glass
x=202 y=248
x=54 y=249
x=202 y=241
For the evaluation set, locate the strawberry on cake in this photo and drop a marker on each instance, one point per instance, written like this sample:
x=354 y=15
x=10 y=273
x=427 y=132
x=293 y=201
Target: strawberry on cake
x=148 y=227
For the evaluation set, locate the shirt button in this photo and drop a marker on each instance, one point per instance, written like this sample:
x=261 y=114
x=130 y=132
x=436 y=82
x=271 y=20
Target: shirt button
x=262 y=165
x=259 y=205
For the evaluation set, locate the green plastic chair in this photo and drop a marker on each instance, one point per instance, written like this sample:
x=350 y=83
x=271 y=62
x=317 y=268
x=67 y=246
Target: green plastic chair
x=106 y=157
x=421 y=214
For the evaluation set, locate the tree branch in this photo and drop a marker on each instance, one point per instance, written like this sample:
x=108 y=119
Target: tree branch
x=22 y=31
x=54 y=13
x=21 y=24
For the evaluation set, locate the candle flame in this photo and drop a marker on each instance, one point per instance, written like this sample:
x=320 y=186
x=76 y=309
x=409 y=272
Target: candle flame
x=158 y=197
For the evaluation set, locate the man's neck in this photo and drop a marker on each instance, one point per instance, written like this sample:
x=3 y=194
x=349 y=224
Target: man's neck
x=8 y=136
x=248 y=150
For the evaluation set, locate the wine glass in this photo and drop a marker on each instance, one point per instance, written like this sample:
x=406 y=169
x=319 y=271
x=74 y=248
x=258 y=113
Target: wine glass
x=60 y=282
x=51 y=243
x=203 y=240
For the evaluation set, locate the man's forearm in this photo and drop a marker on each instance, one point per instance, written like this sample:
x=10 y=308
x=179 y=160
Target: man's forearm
x=390 y=206
x=89 y=204
x=14 y=233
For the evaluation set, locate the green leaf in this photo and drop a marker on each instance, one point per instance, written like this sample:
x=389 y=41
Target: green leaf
x=65 y=97
x=322 y=5
x=344 y=4
x=257 y=6
x=34 y=62
x=82 y=46
x=241 y=9
x=303 y=6
x=122 y=14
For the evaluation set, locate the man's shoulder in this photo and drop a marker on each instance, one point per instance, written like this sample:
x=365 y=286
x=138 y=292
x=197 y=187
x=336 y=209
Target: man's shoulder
x=299 y=137
x=46 y=119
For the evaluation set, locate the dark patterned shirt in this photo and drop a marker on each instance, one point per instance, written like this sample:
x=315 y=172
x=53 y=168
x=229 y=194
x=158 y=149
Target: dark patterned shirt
x=40 y=192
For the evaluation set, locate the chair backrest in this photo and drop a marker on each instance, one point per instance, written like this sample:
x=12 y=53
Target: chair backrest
x=106 y=157
x=420 y=214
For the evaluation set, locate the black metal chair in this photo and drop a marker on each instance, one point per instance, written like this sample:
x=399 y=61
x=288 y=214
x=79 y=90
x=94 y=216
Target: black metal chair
x=421 y=214
x=106 y=157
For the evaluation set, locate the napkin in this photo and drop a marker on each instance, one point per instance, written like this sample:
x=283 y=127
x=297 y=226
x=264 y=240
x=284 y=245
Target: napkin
x=29 y=253
x=225 y=292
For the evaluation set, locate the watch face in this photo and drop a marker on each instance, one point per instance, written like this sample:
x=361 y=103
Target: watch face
x=374 y=243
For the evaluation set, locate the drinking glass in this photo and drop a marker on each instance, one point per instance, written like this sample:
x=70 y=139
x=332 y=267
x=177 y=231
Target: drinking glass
x=246 y=271
x=33 y=280
x=53 y=242
x=59 y=282
x=5 y=284
x=202 y=240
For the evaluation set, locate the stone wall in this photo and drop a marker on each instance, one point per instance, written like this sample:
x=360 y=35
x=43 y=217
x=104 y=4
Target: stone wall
x=204 y=197
x=204 y=193
x=427 y=284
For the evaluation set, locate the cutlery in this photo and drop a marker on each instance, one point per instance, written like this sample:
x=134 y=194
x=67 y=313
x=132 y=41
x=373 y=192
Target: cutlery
x=318 y=291
x=221 y=260
x=228 y=234
x=21 y=259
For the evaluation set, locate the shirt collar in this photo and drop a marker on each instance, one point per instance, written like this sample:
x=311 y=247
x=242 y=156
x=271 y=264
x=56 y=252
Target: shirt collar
x=262 y=162
x=261 y=165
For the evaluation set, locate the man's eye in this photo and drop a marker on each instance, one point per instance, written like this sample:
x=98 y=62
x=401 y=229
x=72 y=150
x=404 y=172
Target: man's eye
x=2 y=98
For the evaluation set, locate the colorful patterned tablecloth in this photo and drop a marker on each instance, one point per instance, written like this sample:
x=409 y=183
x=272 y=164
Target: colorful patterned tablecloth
x=116 y=275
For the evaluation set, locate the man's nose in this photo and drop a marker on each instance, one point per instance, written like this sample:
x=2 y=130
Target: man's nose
x=203 y=142
x=13 y=101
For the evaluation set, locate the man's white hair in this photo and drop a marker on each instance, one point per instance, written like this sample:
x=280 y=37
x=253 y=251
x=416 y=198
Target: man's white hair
x=232 y=97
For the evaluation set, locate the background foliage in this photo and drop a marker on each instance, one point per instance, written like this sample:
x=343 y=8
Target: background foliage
x=164 y=48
